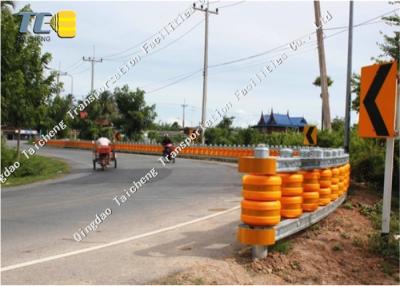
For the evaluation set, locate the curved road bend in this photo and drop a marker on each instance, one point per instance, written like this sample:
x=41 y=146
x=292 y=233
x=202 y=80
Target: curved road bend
x=39 y=220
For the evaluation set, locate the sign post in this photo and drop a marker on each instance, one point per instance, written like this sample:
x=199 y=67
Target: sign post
x=378 y=104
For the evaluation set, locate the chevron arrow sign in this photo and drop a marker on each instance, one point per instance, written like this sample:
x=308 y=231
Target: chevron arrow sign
x=378 y=100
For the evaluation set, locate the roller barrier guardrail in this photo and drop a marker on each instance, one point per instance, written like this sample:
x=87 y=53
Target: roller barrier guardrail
x=283 y=195
x=286 y=189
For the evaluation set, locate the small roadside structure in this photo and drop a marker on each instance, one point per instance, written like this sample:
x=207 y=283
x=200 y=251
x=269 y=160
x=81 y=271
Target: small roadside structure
x=276 y=122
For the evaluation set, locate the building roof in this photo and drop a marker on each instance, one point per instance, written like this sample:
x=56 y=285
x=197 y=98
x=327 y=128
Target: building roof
x=281 y=120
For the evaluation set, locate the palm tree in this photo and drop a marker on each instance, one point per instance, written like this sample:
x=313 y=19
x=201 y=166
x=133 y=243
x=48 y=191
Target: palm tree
x=317 y=82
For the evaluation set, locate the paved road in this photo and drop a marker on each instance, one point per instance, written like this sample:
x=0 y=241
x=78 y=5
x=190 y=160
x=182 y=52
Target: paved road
x=38 y=221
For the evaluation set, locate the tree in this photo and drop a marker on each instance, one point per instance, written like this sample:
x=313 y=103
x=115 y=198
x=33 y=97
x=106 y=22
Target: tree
x=175 y=126
x=135 y=115
x=55 y=111
x=317 y=81
x=390 y=52
x=25 y=88
x=101 y=115
x=355 y=88
x=226 y=123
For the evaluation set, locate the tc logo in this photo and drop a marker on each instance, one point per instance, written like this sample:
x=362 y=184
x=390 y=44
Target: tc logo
x=63 y=23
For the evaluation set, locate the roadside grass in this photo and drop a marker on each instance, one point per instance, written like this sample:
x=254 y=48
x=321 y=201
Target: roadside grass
x=37 y=168
x=387 y=246
x=282 y=247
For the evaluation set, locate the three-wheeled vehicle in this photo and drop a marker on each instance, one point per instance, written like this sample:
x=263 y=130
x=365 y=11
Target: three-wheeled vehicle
x=103 y=155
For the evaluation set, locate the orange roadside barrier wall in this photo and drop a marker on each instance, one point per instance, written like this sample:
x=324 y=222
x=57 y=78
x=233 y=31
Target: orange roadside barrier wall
x=192 y=150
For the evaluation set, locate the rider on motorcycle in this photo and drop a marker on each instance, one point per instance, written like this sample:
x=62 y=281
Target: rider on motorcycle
x=103 y=141
x=166 y=140
x=168 y=147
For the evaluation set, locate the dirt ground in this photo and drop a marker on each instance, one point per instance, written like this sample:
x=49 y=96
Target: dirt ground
x=334 y=251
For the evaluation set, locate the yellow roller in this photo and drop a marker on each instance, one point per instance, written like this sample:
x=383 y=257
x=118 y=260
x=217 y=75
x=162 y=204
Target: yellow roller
x=324 y=196
x=261 y=188
x=256 y=236
x=261 y=213
x=262 y=166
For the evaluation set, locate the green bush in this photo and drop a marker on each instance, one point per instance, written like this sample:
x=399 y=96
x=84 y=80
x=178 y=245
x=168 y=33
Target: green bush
x=33 y=166
x=8 y=155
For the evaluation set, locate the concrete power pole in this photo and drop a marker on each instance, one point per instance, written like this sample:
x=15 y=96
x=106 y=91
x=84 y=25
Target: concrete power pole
x=346 y=144
x=184 y=105
x=92 y=60
x=205 y=69
x=322 y=68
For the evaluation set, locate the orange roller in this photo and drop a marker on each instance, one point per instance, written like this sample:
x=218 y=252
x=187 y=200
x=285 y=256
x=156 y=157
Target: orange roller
x=291 y=200
x=256 y=236
x=310 y=207
x=311 y=175
x=335 y=180
x=310 y=197
x=261 y=188
x=311 y=187
x=252 y=165
x=326 y=173
x=334 y=192
x=324 y=196
x=290 y=192
x=291 y=206
x=340 y=188
x=311 y=182
x=261 y=213
x=291 y=213
x=324 y=192
x=325 y=183
x=291 y=184
x=310 y=201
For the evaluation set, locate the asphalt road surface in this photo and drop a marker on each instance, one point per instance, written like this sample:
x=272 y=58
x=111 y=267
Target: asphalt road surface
x=187 y=213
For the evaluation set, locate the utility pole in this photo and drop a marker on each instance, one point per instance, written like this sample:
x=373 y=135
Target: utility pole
x=184 y=105
x=346 y=143
x=92 y=60
x=205 y=69
x=72 y=80
x=58 y=78
x=322 y=68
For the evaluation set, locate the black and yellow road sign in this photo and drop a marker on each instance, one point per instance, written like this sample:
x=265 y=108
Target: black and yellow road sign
x=378 y=100
x=310 y=135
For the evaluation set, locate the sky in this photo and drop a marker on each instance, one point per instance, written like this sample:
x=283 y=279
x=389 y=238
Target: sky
x=241 y=29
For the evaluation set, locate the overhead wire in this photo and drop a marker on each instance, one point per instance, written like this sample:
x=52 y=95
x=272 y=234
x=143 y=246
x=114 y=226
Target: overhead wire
x=231 y=5
x=113 y=55
x=126 y=57
x=279 y=48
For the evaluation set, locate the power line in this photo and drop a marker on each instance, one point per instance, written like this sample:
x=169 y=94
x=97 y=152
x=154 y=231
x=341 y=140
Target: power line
x=77 y=66
x=174 y=82
x=126 y=57
x=172 y=78
x=113 y=55
x=231 y=5
x=74 y=64
x=82 y=71
x=283 y=47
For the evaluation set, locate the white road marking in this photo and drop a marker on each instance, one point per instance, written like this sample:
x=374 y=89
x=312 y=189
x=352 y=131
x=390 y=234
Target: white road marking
x=54 y=257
